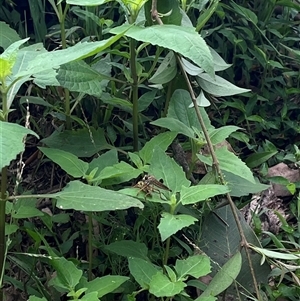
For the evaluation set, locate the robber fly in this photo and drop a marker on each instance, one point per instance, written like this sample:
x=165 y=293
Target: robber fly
x=149 y=185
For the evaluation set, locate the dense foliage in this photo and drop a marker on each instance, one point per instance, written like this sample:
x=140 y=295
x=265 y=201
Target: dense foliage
x=149 y=150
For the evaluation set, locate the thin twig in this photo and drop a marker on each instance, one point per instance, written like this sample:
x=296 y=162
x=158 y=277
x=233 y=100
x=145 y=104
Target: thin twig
x=215 y=165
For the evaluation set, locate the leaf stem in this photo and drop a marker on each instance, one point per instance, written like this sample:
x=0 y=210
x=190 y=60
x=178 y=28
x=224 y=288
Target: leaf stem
x=135 y=112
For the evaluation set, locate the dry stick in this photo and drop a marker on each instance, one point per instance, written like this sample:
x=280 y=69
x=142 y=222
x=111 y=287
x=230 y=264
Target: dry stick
x=215 y=165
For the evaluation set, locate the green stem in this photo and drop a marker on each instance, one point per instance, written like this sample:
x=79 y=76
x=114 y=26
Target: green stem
x=3 y=198
x=61 y=18
x=90 y=244
x=135 y=112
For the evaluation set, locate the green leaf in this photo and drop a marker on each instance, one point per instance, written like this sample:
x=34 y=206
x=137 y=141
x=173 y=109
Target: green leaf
x=90 y=297
x=165 y=168
x=166 y=71
x=26 y=211
x=118 y=173
x=105 y=285
x=224 y=278
x=107 y=159
x=231 y=163
x=240 y=187
x=128 y=248
x=245 y=12
x=78 y=142
x=142 y=271
x=175 y=126
x=162 y=286
x=8 y=35
x=220 y=134
x=179 y=108
x=35 y=100
x=170 y=224
x=196 y=266
x=67 y=161
x=194 y=194
x=136 y=160
x=34 y=298
x=79 y=196
x=146 y=99
x=184 y=40
x=218 y=86
x=67 y=274
x=257 y=159
x=54 y=59
x=78 y=76
x=11 y=141
x=162 y=140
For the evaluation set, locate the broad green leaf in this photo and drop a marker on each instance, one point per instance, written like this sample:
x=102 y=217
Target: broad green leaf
x=245 y=12
x=241 y=187
x=166 y=71
x=34 y=298
x=67 y=161
x=35 y=100
x=220 y=232
x=23 y=59
x=165 y=168
x=142 y=271
x=93 y=296
x=128 y=248
x=224 y=278
x=8 y=35
x=79 y=196
x=78 y=76
x=219 y=63
x=26 y=211
x=11 y=141
x=163 y=140
x=191 y=68
x=8 y=60
x=146 y=99
x=54 y=59
x=184 y=40
x=118 y=173
x=257 y=159
x=135 y=159
x=194 y=194
x=170 y=224
x=162 y=286
x=174 y=125
x=78 y=142
x=218 y=86
x=105 y=285
x=196 y=266
x=231 y=163
x=107 y=159
x=201 y=100
x=179 y=109
x=120 y=103
x=220 y=134
x=67 y=274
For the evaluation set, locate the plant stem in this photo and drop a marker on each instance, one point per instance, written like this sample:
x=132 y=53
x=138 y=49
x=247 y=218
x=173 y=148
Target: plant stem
x=61 y=18
x=90 y=245
x=135 y=112
x=3 y=198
